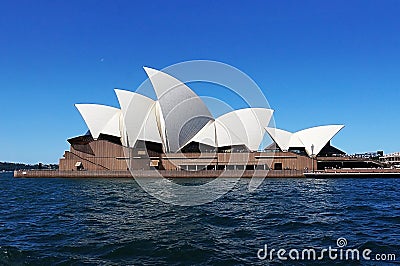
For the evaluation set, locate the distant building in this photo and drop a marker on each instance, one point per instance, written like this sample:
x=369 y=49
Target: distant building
x=392 y=159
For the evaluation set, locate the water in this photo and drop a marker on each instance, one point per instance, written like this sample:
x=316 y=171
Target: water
x=113 y=221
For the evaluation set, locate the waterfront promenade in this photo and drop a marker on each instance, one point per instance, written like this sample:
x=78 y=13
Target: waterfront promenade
x=209 y=173
x=155 y=173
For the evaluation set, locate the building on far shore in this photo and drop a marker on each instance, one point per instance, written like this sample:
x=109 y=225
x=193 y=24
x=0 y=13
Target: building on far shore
x=391 y=160
x=177 y=132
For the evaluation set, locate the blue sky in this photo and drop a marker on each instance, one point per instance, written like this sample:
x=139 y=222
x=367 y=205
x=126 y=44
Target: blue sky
x=318 y=62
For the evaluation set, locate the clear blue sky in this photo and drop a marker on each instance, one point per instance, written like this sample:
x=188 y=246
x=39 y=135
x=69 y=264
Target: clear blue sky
x=318 y=62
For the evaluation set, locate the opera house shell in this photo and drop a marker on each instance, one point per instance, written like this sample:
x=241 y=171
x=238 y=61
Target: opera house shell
x=173 y=130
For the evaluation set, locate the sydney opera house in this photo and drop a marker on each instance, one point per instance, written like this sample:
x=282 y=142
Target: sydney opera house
x=177 y=132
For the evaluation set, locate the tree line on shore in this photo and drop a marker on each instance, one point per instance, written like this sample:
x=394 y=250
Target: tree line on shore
x=7 y=166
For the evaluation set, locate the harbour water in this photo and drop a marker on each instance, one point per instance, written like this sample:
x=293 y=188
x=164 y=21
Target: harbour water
x=113 y=221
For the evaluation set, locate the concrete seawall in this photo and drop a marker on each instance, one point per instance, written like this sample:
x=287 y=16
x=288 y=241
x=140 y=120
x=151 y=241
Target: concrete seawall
x=329 y=173
x=153 y=173
x=352 y=173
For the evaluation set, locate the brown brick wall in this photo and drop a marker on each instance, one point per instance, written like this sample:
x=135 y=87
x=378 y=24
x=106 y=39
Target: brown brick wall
x=105 y=155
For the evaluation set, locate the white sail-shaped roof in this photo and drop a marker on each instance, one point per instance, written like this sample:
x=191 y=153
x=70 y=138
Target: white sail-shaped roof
x=124 y=99
x=101 y=119
x=179 y=117
x=139 y=117
x=150 y=131
x=206 y=135
x=318 y=136
x=184 y=113
x=315 y=136
x=161 y=125
x=239 y=127
x=245 y=127
x=281 y=137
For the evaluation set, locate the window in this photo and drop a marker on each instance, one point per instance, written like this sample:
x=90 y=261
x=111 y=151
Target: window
x=278 y=166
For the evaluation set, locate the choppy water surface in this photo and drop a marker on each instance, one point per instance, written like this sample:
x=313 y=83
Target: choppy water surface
x=113 y=221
